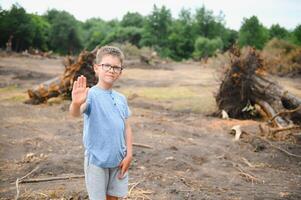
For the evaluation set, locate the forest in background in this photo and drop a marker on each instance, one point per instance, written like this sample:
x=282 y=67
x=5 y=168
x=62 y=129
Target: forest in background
x=193 y=34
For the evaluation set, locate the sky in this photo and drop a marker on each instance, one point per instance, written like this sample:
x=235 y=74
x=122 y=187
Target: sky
x=286 y=13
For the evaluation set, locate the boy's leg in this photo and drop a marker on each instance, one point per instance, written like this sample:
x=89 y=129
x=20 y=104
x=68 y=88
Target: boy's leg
x=117 y=187
x=96 y=181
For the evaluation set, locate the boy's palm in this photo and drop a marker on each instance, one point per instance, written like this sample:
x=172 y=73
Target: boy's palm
x=79 y=90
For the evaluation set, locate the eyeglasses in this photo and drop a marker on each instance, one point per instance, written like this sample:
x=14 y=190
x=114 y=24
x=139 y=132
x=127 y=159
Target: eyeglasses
x=108 y=67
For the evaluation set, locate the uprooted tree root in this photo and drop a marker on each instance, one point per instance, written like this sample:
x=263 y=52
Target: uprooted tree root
x=248 y=92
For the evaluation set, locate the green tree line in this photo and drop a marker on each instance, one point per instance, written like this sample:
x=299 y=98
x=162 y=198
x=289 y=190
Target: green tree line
x=194 y=34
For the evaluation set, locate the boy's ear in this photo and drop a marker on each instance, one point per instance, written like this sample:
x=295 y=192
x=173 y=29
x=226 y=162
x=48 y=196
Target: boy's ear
x=95 y=68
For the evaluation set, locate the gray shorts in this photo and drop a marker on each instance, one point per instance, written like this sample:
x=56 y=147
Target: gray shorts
x=104 y=181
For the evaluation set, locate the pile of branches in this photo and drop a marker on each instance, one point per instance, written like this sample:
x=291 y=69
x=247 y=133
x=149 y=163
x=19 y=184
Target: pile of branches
x=62 y=85
x=248 y=92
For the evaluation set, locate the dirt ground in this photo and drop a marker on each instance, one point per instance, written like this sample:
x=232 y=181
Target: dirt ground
x=193 y=156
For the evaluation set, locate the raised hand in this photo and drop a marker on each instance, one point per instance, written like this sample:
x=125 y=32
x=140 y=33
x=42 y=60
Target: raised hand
x=79 y=90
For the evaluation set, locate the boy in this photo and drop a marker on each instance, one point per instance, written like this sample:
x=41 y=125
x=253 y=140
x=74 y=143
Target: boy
x=107 y=134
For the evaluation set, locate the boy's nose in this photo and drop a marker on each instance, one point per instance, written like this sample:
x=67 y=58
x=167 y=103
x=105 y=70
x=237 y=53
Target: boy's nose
x=111 y=70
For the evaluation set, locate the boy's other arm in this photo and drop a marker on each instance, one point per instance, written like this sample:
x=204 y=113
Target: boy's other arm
x=129 y=139
x=125 y=163
x=79 y=95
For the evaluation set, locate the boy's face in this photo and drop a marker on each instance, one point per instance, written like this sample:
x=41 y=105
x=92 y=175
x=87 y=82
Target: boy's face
x=109 y=69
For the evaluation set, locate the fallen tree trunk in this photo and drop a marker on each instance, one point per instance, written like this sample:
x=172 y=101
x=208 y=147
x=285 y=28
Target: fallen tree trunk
x=246 y=84
x=63 y=85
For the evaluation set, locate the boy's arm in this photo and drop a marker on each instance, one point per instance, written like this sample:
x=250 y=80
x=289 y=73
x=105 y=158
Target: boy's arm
x=125 y=163
x=76 y=110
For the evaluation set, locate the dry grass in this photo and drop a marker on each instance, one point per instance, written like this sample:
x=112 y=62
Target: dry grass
x=176 y=98
x=8 y=89
x=185 y=88
x=12 y=94
x=55 y=100
x=161 y=93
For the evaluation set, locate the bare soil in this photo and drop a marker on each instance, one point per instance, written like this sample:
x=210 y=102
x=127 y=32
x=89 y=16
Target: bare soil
x=193 y=156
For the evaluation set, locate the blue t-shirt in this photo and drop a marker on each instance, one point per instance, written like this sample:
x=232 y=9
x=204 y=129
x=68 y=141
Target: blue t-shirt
x=104 y=127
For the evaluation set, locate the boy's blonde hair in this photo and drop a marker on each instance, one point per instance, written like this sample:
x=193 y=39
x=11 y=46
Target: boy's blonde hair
x=109 y=50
